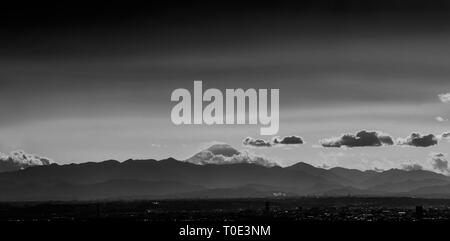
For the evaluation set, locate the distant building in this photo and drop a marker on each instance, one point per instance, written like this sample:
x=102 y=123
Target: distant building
x=419 y=212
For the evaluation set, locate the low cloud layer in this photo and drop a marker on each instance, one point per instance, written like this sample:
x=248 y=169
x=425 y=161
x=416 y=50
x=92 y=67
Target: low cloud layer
x=362 y=138
x=288 y=140
x=276 y=141
x=439 y=162
x=416 y=139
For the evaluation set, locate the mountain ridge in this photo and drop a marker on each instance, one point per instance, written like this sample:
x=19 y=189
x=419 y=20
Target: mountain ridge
x=171 y=178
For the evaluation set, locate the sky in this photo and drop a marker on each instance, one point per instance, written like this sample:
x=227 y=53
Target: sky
x=95 y=86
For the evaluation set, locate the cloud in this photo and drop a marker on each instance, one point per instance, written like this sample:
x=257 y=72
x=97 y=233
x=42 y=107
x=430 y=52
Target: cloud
x=445 y=98
x=362 y=138
x=411 y=167
x=249 y=141
x=416 y=139
x=439 y=162
x=221 y=154
x=441 y=119
x=21 y=157
x=276 y=141
x=445 y=135
x=17 y=160
x=288 y=140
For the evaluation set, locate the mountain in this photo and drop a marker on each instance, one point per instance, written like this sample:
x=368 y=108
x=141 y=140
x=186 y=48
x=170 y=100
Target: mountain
x=397 y=175
x=18 y=160
x=226 y=154
x=170 y=178
x=64 y=181
x=320 y=172
x=407 y=185
x=356 y=176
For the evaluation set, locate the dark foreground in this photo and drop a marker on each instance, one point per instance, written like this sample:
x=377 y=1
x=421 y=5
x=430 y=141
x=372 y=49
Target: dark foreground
x=232 y=210
x=322 y=217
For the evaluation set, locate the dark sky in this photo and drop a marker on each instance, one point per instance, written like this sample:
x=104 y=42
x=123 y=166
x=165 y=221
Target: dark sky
x=83 y=29
x=83 y=82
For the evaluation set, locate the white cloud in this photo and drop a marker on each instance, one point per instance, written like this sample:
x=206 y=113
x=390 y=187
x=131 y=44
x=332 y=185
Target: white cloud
x=441 y=119
x=22 y=159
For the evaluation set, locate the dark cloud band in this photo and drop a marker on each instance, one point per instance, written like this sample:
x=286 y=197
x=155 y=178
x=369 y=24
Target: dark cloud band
x=416 y=139
x=362 y=138
x=288 y=140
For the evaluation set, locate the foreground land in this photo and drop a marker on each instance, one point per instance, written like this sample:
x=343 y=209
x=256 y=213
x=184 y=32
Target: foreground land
x=357 y=209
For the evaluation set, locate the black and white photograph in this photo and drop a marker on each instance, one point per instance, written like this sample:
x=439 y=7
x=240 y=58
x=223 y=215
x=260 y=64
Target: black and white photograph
x=223 y=120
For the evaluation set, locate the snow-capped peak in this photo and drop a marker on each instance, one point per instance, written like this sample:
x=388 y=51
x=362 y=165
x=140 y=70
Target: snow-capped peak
x=221 y=154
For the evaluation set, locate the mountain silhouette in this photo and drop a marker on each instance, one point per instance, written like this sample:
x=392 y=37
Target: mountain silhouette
x=356 y=176
x=320 y=172
x=170 y=178
x=397 y=175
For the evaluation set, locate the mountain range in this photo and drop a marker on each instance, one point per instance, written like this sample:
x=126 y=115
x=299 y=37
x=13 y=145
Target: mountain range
x=194 y=178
